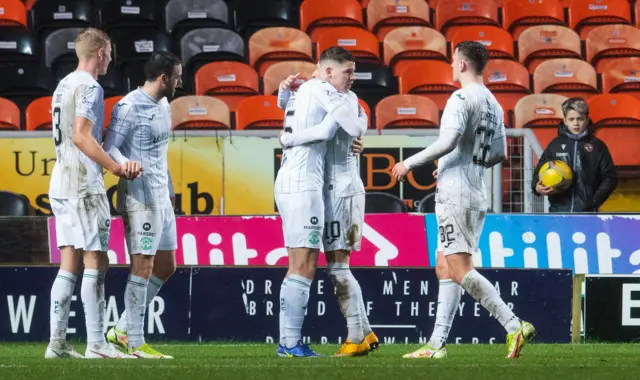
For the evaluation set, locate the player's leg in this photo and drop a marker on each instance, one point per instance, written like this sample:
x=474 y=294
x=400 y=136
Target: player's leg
x=466 y=228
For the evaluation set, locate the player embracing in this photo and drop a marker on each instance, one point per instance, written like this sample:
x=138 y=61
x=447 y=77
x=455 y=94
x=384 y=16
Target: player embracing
x=79 y=199
x=344 y=197
x=472 y=138
x=139 y=130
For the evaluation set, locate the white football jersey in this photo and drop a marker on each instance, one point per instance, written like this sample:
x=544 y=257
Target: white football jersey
x=74 y=174
x=475 y=113
x=302 y=167
x=139 y=129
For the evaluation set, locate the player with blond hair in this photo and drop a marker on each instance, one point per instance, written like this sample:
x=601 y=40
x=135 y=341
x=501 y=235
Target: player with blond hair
x=79 y=200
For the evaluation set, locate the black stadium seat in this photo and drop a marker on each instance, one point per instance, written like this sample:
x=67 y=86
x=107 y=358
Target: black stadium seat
x=59 y=51
x=17 y=45
x=183 y=16
x=23 y=82
x=130 y=14
x=383 y=203
x=137 y=45
x=12 y=204
x=374 y=82
x=111 y=83
x=428 y=204
x=49 y=15
x=252 y=15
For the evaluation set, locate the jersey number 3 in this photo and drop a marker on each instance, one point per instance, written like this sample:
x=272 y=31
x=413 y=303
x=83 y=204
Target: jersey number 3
x=57 y=135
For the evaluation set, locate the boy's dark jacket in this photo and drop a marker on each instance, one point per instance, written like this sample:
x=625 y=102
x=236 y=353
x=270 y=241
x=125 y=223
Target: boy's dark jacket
x=594 y=173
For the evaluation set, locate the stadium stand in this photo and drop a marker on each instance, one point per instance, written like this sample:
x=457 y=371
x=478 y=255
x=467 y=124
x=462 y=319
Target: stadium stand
x=433 y=79
x=454 y=14
x=542 y=113
x=518 y=15
x=250 y=16
x=609 y=42
x=384 y=16
x=277 y=72
x=509 y=82
x=9 y=115
x=542 y=42
x=272 y=45
x=258 y=112
x=183 y=16
x=498 y=41
x=566 y=76
x=585 y=15
x=118 y=15
x=361 y=43
x=406 y=111
x=228 y=81
x=317 y=15
x=38 y=115
x=199 y=112
x=621 y=76
x=406 y=44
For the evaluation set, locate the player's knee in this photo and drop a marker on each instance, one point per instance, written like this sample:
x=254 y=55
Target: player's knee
x=442 y=269
x=141 y=265
x=91 y=259
x=164 y=264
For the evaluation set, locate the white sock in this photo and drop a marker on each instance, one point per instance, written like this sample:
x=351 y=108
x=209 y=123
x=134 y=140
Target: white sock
x=281 y=314
x=347 y=291
x=90 y=293
x=364 y=319
x=482 y=291
x=296 y=298
x=102 y=302
x=153 y=288
x=449 y=294
x=135 y=301
x=61 y=292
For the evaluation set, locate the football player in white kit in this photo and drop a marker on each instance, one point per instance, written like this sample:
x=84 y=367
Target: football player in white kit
x=79 y=199
x=344 y=199
x=298 y=189
x=472 y=138
x=139 y=130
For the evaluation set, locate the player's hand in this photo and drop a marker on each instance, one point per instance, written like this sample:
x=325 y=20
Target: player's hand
x=435 y=174
x=399 y=171
x=544 y=190
x=131 y=170
x=357 y=146
x=288 y=81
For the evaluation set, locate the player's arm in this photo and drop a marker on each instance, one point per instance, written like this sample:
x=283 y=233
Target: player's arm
x=172 y=193
x=118 y=130
x=341 y=109
x=498 y=151
x=284 y=91
x=319 y=132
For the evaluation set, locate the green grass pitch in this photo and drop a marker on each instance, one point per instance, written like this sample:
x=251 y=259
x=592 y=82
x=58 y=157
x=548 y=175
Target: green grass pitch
x=258 y=361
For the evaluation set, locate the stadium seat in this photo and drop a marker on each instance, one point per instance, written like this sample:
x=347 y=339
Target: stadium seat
x=498 y=41
x=385 y=15
x=130 y=14
x=137 y=45
x=17 y=45
x=373 y=83
x=542 y=113
x=519 y=15
x=259 y=112
x=316 y=15
x=133 y=76
x=609 y=42
x=59 y=51
x=566 y=76
x=109 y=103
x=13 y=14
x=251 y=15
x=453 y=14
x=230 y=82
x=270 y=45
x=433 y=79
x=199 y=112
x=47 y=16
x=427 y=204
x=277 y=72
x=622 y=75
x=543 y=42
x=23 y=82
x=383 y=203
x=407 y=111
x=112 y=82
x=585 y=15
x=361 y=43
x=38 y=114
x=14 y=205
x=408 y=43
x=509 y=82
x=617 y=121
x=367 y=111
x=185 y=15
x=9 y=115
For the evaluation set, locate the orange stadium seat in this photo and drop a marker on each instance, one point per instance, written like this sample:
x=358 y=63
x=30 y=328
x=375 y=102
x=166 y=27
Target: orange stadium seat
x=385 y=15
x=38 y=114
x=277 y=72
x=409 y=43
x=498 y=41
x=508 y=81
x=228 y=81
x=270 y=45
x=259 y=112
x=29 y=3
x=617 y=121
x=566 y=76
x=407 y=111
x=637 y=14
x=316 y=15
x=9 y=115
x=519 y=15
x=199 y=112
x=13 y=13
x=367 y=110
x=539 y=43
x=584 y=15
x=433 y=79
x=622 y=75
x=453 y=14
x=109 y=103
x=609 y=42
x=361 y=43
x=542 y=113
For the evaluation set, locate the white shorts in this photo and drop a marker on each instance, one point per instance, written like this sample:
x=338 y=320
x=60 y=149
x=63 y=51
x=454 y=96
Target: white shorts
x=149 y=231
x=459 y=228
x=344 y=220
x=83 y=223
x=302 y=218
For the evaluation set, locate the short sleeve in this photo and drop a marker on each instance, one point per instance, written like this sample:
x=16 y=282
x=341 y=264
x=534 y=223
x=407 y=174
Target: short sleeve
x=455 y=113
x=89 y=99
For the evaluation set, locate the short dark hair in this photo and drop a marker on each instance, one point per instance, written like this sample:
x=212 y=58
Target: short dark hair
x=338 y=54
x=160 y=62
x=475 y=54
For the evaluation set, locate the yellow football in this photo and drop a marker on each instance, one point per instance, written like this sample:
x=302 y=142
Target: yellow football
x=556 y=174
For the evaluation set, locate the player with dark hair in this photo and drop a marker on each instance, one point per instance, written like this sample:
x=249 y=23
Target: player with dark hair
x=472 y=138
